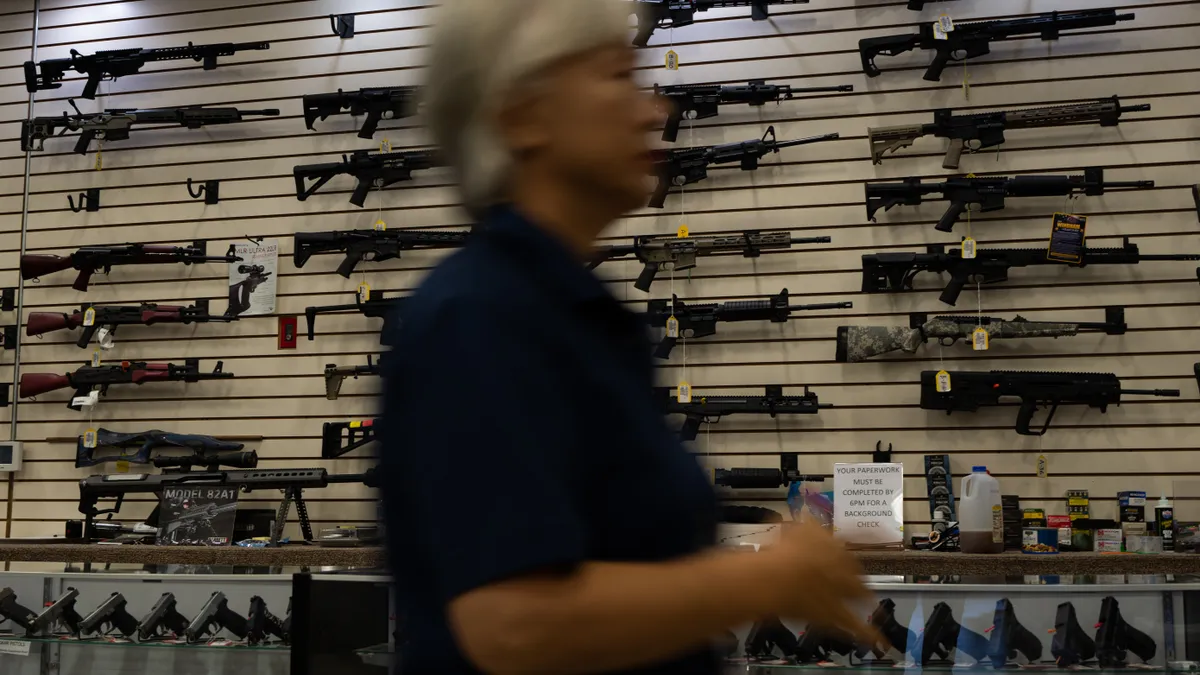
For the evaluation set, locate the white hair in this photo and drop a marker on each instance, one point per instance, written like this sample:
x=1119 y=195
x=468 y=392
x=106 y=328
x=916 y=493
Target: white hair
x=482 y=50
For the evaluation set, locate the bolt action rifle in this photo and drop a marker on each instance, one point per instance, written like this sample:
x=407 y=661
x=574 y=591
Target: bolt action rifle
x=704 y=101
x=377 y=103
x=710 y=409
x=375 y=170
x=372 y=245
x=670 y=14
x=146 y=442
x=92 y=259
x=105 y=319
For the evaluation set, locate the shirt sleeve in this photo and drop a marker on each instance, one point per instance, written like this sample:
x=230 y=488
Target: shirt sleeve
x=479 y=451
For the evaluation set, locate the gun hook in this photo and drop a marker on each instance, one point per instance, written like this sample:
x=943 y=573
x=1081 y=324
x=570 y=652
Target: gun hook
x=198 y=193
x=71 y=201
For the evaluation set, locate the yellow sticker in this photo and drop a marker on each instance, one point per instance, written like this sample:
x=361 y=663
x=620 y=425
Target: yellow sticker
x=99 y=157
x=939 y=33
x=380 y=226
x=969 y=248
x=682 y=232
x=979 y=339
x=385 y=145
x=364 y=292
x=122 y=466
x=672 y=327
x=1041 y=466
x=96 y=358
x=684 y=394
x=89 y=438
x=355 y=424
x=942 y=380
x=672 y=60
x=89 y=317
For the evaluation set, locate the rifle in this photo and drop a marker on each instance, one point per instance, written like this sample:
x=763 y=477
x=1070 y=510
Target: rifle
x=372 y=169
x=162 y=615
x=974 y=133
x=710 y=409
x=765 y=479
x=1071 y=646
x=239 y=293
x=376 y=307
x=88 y=378
x=372 y=245
x=145 y=442
x=894 y=272
x=700 y=320
x=686 y=166
x=969 y=40
x=91 y=259
x=378 y=103
x=703 y=101
x=61 y=611
x=115 y=63
x=335 y=375
x=768 y=635
x=261 y=623
x=654 y=14
x=990 y=193
x=973 y=390
x=943 y=635
x=1115 y=638
x=340 y=438
x=1008 y=637
x=14 y=611
x=215 y=615
x=115 y=124
x=680 y=253
x=859 y=343
x=206 y=512
x=110 y=614
x=895 y=635
x=106 y=319
x=820 y=644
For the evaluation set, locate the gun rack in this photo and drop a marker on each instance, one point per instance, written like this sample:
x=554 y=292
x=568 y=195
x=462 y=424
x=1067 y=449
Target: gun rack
x=343 y=25
x=89 y=201
x=210 y=190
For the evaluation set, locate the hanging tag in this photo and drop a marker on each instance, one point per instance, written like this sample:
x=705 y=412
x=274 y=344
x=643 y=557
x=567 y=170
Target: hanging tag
x=122 y=466
x=968 y=248
x=99 y=157
x=364 y=292
x=380 y=226
x=385 y=145
x=672 y=327
x=979 y=339
x=89 y=317
x=682 y=232
x=943 y=382
x=684 y=393
x=1067 y=235
x=939 y=33
x=946 y=23
x=1041 y=466
x=96 y=357
x=672 y=60
x=89 y=438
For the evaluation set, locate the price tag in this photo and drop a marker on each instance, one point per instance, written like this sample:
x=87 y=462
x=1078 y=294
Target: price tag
x=89 y=317
x=364 y=292
x=89 y=438
x=684 y=395
x=672 y=60
x=385 y=145
x=122 y=466
x=942 y=379
x=1041 y=466
x=969 y=248
x=96 y=355
x=672 y=327
x=946 y=23
x=380 y=226
x=682 y=232
x=979 y=339
x=99 y=156
x=939 y=33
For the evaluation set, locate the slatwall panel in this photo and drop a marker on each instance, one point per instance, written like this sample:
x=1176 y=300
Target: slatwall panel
x=813 y=191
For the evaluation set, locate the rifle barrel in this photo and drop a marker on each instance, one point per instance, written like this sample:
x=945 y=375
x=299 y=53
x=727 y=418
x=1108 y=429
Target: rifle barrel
x=806 y=141
x=827 y=305
x=811 y=240
x=817 y=90
x=1174 y=393
x=1135 y=108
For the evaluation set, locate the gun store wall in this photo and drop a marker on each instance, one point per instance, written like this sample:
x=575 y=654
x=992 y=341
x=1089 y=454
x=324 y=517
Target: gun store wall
x=277 y=402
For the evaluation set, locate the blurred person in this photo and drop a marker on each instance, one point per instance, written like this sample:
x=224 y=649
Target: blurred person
x=516 y=372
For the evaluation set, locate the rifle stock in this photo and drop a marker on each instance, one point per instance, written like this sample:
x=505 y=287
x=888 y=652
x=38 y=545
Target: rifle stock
x=40 y=323
x=34 y=265
x=36 y=384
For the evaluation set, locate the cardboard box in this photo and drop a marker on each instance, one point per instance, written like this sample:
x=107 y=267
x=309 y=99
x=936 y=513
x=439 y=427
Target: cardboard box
x=1058 y=521
x=1133 y=514
x=1109 y=536
x=1108 y=547
x=1131 y=498
x=1133 y=528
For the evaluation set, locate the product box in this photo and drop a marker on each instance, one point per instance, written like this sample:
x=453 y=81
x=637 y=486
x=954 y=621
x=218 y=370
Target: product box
x=1133 y=528
x=1110 y=536
x=939 y=485
x=1133 y=514
x=1131 y=498
x=1063 y=525
x=1108 y=547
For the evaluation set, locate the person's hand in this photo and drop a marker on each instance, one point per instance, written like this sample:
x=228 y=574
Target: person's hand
x=820 y=581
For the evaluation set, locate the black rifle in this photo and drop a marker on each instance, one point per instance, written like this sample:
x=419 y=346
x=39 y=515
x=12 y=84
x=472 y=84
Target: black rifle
x=765 y=479
x=896 y=636
x=859 y=343
x=335 y=375
x=340 y=438
x=1115 y=638
x=973 y=133
x=372 y=245
x=114 y=124
x=110 y=614
x=894 y=272
x=61 y=612
x=114 y=63
x=214 y=616
x=376 y=307
x=969 y=391
x=1071 y=645
x=768 y=635
x=703 y=101
x=146 y=442
x=261 y=623
x=655 y=14
x=820 y=644
x=700 y=320
x=943 y=635
x=990 y=193
x=969 y=40
x=100 y=378
x=1008 y=637
x=686 y=166
x=681 y=253
x=91 y=259
x=710 y=409
x=109 y=318
x=14 y=611
x=378 y=103
x=162 y=621
x=372 y=169
x=239 y=293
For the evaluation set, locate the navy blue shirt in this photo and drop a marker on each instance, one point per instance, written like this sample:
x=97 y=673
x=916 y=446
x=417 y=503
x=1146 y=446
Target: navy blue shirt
x=519 y=435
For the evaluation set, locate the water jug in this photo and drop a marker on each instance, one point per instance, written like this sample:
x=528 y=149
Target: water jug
x=980 y=514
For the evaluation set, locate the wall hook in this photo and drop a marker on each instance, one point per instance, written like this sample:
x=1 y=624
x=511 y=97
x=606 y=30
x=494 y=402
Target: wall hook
x=343 y=25
x=210 y=190
x=88 y=200
x=881 y=456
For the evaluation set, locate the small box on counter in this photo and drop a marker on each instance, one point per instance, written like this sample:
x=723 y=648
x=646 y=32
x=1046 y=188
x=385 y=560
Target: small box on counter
x=1108 y=547
x=1109 y=536
x=1133 y=514
x=1134 y=528
x=1131 y=498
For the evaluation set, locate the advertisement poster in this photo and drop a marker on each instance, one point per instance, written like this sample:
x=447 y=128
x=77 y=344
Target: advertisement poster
x=197 y=516
x=252 y=281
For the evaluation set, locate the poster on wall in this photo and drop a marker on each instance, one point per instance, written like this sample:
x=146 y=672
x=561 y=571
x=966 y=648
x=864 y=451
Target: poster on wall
x=197 y=516
x=868 y=504
x=252 y=280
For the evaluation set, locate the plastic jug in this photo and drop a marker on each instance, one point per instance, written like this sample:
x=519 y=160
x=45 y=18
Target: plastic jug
x=980 y=514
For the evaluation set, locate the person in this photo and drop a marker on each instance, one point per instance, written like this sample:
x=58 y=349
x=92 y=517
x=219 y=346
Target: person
x=515 y=373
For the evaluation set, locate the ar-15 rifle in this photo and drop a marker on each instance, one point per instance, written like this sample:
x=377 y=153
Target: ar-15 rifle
x=162 y=616
x=990 y=193
x=335 y=375
x=261 y=623
x=670 y=14
x=91 y=259
x=377 y=103
x=703 y=101
x=820 y=644
x=372 y=169
x=60 y=612
x=106 y=319
x=759 y=479
x=372 y=245
x=686 y=166
x=710 y=409
x=973 y=133
x=969 y=40
x=973 y=390
x=894 y=272
x=768 y=635
x=114 y=63
x=215 y=615
x=859 y=343
x=115 y=124
x=943 y=635
x=1008 y=637
x=376 y=307
x=340 y=438
x=100 y=378
x=1071 y=645
x=700 y=320
x=896 y=636
x=110 y=614
x=680 y=253
x=146 y=442
x=1115 y=638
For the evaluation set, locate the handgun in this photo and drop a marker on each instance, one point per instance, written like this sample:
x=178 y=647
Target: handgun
x=215 y=614
x=110 y=614
x=162 y=616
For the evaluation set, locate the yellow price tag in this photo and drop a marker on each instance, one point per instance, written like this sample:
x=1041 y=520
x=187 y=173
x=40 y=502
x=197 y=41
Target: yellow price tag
x=1041 y=466
x=672 y=60
x=99 y=156
x=979 y=339
x=684 y=394
x=672 y=327
x=122 y=466
x=89 y=317
x=89 y=438
x=942 y=382
x=946 y=23
x=970 y=248
x=96 y=358
x=385 y=145
x=683 y=232
x=364 y=292
x=380 y=226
